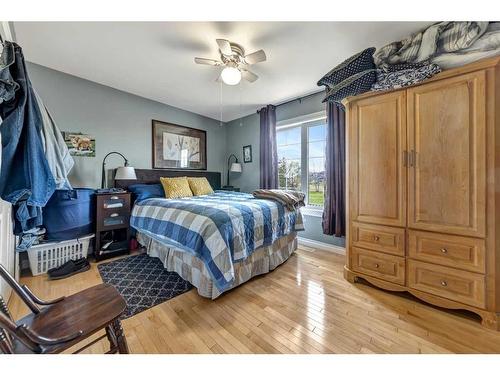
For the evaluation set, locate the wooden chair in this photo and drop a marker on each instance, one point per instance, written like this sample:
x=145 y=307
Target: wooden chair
x=55 y=326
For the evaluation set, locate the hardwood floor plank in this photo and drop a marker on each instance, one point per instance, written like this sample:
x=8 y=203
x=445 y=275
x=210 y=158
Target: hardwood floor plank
x=283 y=331
x=304 y=306
x=236 y=329
x=267 y=336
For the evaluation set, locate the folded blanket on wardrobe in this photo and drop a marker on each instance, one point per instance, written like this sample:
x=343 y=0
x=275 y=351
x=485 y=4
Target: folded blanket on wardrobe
x=290 y=198
x=488 y=45
x=439 y=38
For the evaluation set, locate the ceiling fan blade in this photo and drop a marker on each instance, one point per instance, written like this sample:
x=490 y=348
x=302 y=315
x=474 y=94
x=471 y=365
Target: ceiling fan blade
x=249 y=76
x=255 y=57
x=224 y=46
x=202 y=61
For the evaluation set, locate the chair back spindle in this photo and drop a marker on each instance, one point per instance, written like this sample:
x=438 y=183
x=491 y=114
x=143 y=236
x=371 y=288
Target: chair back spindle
x=17 y=288
x=60 y=327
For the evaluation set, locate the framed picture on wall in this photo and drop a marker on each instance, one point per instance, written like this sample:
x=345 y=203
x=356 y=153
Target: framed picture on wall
x=178 y=147
x=79 y=144
x=247 y=154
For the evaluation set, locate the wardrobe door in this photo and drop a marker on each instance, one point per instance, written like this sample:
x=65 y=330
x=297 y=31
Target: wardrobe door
x=446 y=139
x=377 y=149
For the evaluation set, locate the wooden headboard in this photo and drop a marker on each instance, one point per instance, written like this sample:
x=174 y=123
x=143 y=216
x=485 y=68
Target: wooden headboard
x=152 y=176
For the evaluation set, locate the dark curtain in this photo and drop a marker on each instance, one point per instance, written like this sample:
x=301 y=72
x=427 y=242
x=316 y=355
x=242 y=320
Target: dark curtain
x=334 y=210
x=268 y=150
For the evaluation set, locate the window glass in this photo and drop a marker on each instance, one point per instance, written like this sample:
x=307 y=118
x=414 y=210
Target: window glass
x=291 y=160
x=288 y=136
x=316 y=165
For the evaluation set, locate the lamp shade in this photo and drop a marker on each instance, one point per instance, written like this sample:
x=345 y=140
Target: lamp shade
x=231 y=75
x=235 y=167
x=125 y=173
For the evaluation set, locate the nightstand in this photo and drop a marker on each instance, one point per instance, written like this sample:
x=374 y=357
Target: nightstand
x=230 y=188
x=112 y=230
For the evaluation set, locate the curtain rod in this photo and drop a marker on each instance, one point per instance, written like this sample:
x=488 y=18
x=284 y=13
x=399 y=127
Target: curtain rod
x=297 y=99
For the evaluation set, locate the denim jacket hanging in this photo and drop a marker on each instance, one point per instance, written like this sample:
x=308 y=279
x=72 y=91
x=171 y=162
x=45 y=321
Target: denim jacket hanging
x=8 y=86
x=25 y=177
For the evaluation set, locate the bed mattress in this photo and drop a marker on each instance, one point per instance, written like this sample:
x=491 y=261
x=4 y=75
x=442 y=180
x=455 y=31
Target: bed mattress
x=220 y=229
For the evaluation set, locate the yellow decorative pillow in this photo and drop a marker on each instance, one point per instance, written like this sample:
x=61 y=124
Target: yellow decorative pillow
x=200 y=185
x=176 y=187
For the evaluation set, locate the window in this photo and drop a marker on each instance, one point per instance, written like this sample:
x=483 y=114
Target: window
x=289 y=158
x=316 y=144
x=301 y=157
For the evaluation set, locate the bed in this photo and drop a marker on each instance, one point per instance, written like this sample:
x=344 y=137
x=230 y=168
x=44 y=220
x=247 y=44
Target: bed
x=216 y=241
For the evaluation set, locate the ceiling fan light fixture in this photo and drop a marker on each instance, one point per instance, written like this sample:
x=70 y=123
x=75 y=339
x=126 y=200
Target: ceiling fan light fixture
x=231 y=75
x=234 y=62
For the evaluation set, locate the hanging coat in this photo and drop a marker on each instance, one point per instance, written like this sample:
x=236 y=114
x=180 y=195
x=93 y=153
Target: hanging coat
x=56 y=151
x=26 y=180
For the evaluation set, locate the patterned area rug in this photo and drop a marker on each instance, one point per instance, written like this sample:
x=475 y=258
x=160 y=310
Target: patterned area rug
x=142 y=281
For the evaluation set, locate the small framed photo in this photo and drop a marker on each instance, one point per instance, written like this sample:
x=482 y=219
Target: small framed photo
x=79 y=144
x=247 y=154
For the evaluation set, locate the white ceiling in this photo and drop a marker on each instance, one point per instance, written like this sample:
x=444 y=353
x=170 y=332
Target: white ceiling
x=155 y=59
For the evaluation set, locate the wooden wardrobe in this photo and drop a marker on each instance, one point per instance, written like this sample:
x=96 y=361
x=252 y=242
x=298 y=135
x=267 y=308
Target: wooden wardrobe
x=423 y=189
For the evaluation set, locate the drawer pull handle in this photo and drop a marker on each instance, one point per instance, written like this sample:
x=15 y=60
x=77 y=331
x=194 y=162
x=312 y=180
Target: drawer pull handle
x=376 y=238
x=444 y=283
x=114 y=215
x=377 y=265
x=114 y=197
x=444 y=250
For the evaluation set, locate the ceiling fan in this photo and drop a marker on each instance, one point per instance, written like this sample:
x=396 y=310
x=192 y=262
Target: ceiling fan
x=234 y=61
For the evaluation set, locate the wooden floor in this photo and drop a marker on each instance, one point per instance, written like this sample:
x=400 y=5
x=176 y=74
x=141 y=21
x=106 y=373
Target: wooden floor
x=304 y=306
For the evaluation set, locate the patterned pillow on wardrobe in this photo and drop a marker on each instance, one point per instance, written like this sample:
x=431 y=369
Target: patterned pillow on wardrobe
x=355 y=85
x=403 y=78
x=405 y=66
x=353 y=65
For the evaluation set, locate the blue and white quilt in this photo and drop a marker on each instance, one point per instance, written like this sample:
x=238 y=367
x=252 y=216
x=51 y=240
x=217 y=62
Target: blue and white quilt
x=220 y=228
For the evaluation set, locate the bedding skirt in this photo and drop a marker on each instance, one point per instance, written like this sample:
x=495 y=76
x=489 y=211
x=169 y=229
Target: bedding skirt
x=192 y=269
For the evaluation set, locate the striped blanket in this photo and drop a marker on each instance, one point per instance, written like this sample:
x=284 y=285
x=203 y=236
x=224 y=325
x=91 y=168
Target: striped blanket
x=437 y=39
x=221 y=228
x=290 y=198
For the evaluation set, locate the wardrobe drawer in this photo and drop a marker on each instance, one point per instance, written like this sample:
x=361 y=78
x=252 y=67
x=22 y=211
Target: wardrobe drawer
x=380 y=238
x=387 y=267
x=454 y=251
x=460 y=286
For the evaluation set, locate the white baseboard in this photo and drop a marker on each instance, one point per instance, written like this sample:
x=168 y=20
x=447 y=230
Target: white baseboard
x=321 y=245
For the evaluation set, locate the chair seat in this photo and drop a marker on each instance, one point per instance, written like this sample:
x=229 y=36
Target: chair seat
x=88 y=311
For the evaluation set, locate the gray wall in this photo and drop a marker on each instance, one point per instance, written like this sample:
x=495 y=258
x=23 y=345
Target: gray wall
x=243 y=132
x=246 y=131
x=122 y=122
x=118 y=120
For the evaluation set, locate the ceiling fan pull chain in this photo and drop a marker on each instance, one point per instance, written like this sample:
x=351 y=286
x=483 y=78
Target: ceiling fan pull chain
x=241 y=114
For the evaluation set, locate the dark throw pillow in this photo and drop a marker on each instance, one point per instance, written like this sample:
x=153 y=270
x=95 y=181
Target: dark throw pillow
x=353 y=65
x=145 y=191
x=354 y=85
